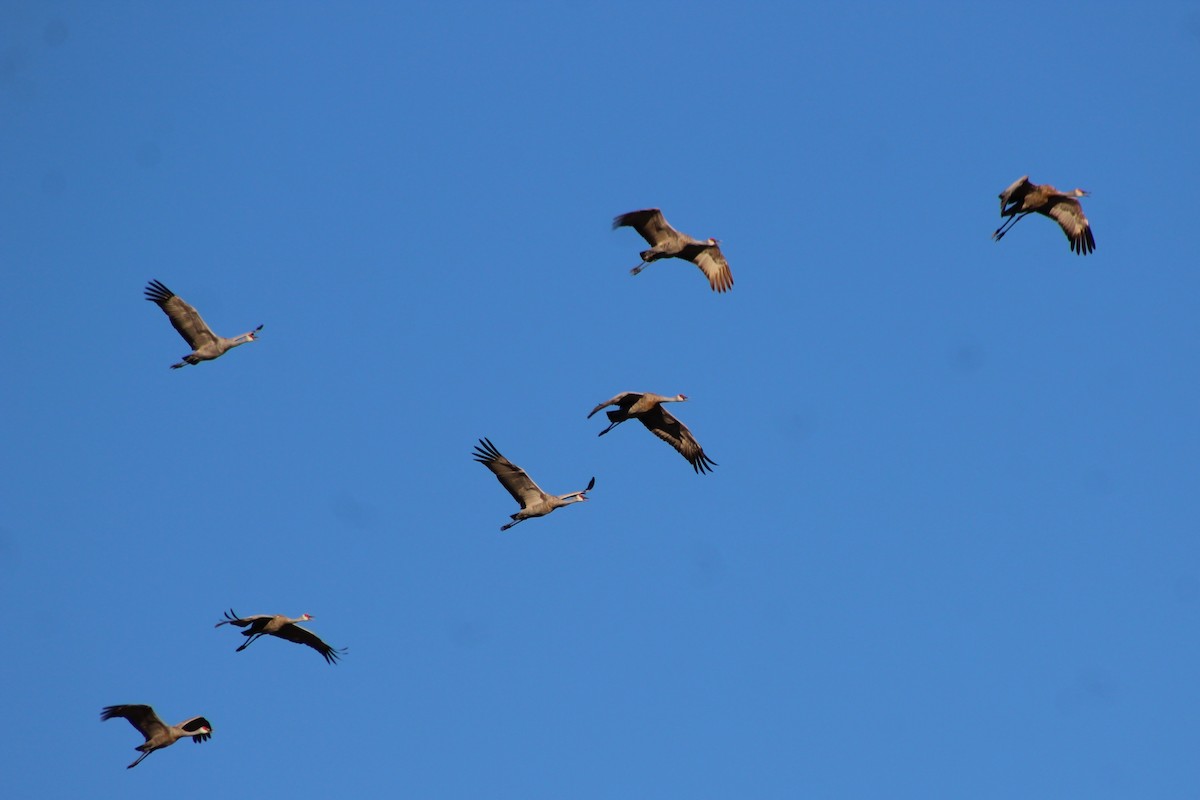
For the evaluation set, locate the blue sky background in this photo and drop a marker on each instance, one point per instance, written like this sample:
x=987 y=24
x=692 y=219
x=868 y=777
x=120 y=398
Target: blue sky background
x=950 y=549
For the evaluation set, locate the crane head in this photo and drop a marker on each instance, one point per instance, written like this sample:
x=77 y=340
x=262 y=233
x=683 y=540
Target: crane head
x=713 y=242
x=1079 y=193
x=306 y=617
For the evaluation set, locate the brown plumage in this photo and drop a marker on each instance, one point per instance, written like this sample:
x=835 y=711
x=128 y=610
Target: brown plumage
x=205 y=344
x=1024 y=198
x=534 y=502
x=282 y=627
x=158 y=734
x=647 y=409
x=666 y=242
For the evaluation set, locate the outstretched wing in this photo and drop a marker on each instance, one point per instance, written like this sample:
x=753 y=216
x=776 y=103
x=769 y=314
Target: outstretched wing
x=512 y=477
x=185 y=318
x=195 y=724
x=650 y=223
x=1068 y=213
x=1019 y=187
x=141 y=717
x=663 y=424
x=231 y=618
x=294 y=633
x=711 y=261
x=615 y=401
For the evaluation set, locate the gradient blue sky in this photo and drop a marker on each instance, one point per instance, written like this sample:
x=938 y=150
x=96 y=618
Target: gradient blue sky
x=951 y=546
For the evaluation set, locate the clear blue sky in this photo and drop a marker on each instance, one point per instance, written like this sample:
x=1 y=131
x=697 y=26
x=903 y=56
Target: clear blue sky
x=951 y=546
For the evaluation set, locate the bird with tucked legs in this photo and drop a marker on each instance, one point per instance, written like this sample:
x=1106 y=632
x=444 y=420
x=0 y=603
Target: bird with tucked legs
x=158 y=734
x=666 y=242
x=534 y=502
x=205 y=344
x=1024 y=198
x=281 y=627
x=648 y=409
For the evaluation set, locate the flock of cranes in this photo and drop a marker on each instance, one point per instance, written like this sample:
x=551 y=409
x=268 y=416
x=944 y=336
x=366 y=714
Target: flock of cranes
x=1016 y=202
x=159 y=735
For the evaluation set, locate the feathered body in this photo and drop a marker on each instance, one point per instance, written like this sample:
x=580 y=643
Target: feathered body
x=534 y=502
x=280 y=627
x=158 y=734
x=1025 y=197
x=648 y=409
x=205 y=344
x=666 y=242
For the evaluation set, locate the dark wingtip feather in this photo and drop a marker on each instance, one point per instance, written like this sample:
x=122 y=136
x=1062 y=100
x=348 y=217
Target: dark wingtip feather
x=486 y=452
x=156 y=292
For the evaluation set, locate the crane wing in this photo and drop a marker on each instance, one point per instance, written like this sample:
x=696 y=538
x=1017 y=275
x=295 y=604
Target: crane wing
x=195 y=724
x=183 y=317
x=615 y=401
x=712 y=263
x=1068 y=213
x=231 y=618
x=294 y=633
x=1019 y=187
x=650 y=223
x=663 y=424
x=141 y=717
x=511 y=477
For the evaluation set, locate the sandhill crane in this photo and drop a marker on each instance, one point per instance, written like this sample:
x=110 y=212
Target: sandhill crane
x=647 y=409
x=1024 y=198
x=666 y=242
x=158 y=734
x=205 y=344
x=284 y=628
x=534 y=502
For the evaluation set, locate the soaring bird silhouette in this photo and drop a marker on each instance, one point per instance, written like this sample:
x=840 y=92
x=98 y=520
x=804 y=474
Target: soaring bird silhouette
x=205 y=344
x=647 y=409
x=1024 y=198
x=534 y=502
x=666 y=242
x=158 y=734
x=282 y=627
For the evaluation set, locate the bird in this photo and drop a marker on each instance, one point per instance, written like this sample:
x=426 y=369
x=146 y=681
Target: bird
x=284 y=628
x=1023 y=198
x=534 y=502
x=647 y=409
x=205 y=344
x=666 y=242
x=158 y=734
